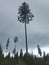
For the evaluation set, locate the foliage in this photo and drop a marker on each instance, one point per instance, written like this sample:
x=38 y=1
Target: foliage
x=24 y=13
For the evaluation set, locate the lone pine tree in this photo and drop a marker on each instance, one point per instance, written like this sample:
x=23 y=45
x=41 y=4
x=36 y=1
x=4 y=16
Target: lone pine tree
x=25 y=16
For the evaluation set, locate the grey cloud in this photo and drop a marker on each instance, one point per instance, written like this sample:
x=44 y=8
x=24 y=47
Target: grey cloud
x=38 y=29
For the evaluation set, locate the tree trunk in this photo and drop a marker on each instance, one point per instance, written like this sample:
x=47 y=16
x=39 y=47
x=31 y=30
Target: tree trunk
x=15 y=48
x=26 y=39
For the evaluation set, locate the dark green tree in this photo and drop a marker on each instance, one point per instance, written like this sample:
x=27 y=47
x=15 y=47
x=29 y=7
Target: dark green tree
x=39 y=50
x=25 y=16
x=44 y=55
x=14 y=51
x=16 y=57
x=8 y=56
x=15 y=40
x=1 y=55
x=21 y=54
x=0 y=49
x=7 y=44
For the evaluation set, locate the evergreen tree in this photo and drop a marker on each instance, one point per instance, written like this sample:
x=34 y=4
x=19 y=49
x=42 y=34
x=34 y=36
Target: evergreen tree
x=39 y=50
x=7 y=44
x=21 y=54
x=0 y=50
x=44 y=54
x=15 y=40
x=25 y=16
x=14 y=51
x=1 y=55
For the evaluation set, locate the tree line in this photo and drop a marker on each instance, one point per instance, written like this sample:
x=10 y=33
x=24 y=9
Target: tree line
x=24 y=59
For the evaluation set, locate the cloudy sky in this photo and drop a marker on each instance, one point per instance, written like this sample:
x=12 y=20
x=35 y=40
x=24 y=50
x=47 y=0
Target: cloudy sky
x=37 y=29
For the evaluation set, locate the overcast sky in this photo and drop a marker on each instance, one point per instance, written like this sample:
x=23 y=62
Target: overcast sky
x=37 y=29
